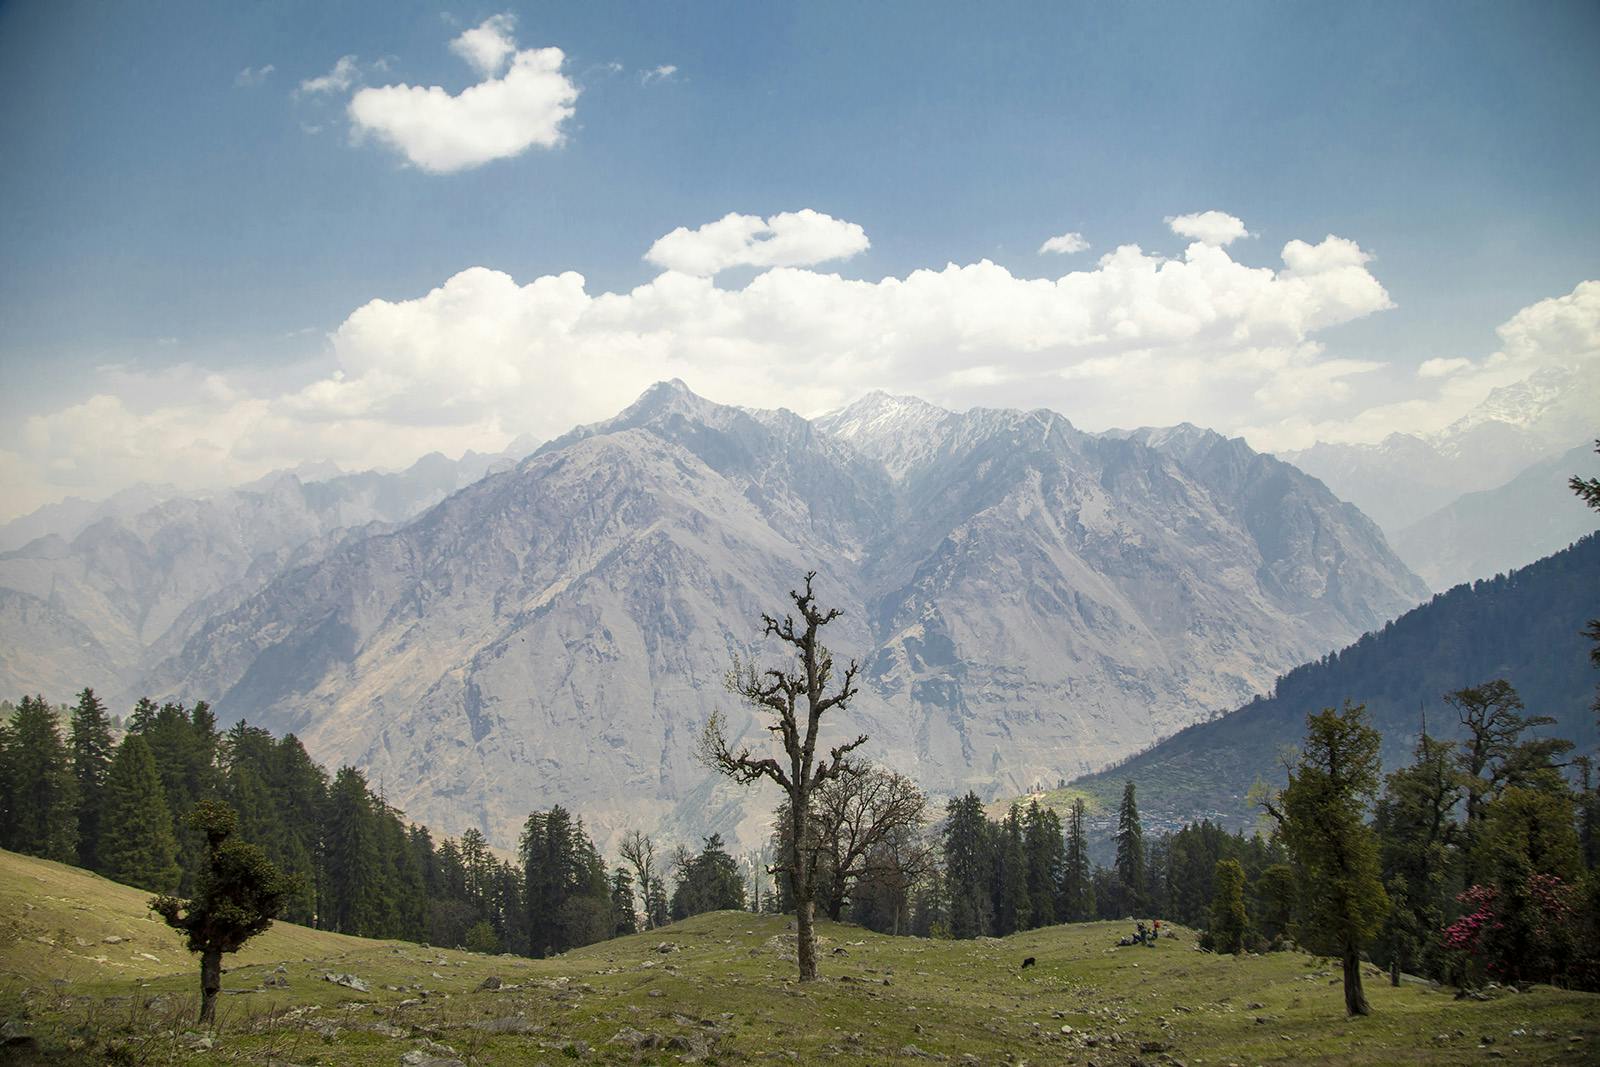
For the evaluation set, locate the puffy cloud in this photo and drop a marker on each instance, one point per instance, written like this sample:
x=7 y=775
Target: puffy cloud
x=498 y=118
x=1208 y=227
x=341 y=77
x=1066 y=244
x=1135 y=339
x=488 y=45
x=1557 y=334
x=792 y=239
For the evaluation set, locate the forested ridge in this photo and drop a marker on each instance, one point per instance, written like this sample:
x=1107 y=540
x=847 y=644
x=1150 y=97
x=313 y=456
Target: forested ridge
x=1525 y=627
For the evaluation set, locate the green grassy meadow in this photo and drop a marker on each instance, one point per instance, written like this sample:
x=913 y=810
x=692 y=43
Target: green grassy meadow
x=717 y=988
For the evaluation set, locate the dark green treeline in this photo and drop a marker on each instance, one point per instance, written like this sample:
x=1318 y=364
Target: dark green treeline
x=122 y=809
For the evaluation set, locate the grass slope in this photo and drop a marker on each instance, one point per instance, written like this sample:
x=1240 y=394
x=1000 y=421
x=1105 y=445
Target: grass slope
x=719 y=989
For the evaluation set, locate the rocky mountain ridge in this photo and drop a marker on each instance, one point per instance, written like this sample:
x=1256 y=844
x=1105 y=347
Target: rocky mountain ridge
x=1028 y=601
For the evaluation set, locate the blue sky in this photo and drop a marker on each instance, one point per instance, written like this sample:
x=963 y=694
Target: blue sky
x=181 y=233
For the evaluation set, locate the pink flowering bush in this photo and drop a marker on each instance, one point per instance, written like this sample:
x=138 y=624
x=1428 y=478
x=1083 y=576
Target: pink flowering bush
x=1507 y=935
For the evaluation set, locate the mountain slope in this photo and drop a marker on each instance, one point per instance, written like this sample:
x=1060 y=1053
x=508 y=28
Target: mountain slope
x=128 y=588
x=1524 y=627
x=1485 y=533
x=1026 y=600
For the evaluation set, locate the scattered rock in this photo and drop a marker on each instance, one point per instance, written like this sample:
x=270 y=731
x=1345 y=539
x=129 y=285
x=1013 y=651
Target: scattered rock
x=635 y=1039
x=666 y=947
x=692 y=1044
x=491 y=982
x=349 y=981
x=913 y=1052
x=418 y=1058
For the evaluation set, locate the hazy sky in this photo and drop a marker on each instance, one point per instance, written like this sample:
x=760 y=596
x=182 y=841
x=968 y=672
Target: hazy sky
x=235 y=237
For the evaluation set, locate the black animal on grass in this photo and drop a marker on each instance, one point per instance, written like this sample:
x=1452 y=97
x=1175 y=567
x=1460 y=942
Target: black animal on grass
x=1027 y=963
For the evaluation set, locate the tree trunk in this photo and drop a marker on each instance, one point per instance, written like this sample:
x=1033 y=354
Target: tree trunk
x=806 y=938
x=1355 y=1001
x=210 y=985
x=1394 y=971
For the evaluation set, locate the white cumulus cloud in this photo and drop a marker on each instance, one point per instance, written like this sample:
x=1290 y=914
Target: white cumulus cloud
x=500 y=117
x=1065 y=244
x=488 y=45
x=658 y=74
x=1136 y=339
x=1208 y=227
x=791 y=239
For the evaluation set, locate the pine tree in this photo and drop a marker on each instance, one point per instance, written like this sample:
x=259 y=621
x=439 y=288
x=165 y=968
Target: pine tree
x=709 y=881
x=352 y=863
x=1011 y=903
x=44 y=816
x=969 y=867
x=1416 y=828
x=1228 y=916
x=89 y=741
x=1046 y=855
x=1130 y=852
x=623 y=919
x=137 y=844
x=1335 y=853
x=1494 y=755
x=1077 y=876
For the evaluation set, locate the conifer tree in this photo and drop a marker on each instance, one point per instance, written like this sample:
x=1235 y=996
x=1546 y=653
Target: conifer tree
x=1320 y=815
x=1228 y=916
x=1077 y=876
x=624 y=920
x=89 y=742
x=969 y=866
x=352 y=863
x=709 y=881
x=1416 y=829
x=44 y=815
x=1011 y=904
x=1130 y=851
x=237 y=895
x=137 y=844
x=1043 y=843
x=1493 y=755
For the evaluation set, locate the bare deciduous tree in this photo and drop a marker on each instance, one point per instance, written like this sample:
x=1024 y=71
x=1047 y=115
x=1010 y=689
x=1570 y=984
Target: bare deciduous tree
x=797 y=697
x=639 y=852
x=855 y=813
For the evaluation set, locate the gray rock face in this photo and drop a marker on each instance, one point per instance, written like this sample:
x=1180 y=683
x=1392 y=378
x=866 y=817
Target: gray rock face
x=128 y=588
x=1028 y=601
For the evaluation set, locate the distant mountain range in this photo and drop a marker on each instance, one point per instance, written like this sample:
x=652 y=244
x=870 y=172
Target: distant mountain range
x=1523 y=627
x=1407 y=477
x=103 y=591
x=1486 y=533
x=1028 y=601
